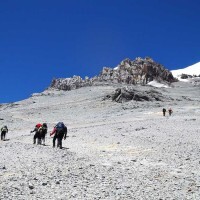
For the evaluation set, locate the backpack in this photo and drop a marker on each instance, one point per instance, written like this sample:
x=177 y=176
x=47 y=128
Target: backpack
x=4 y=128
x=38 y=125
x=60 y=126
x=43 y=129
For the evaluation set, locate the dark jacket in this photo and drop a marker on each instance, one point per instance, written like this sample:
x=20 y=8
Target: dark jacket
x=4 y=129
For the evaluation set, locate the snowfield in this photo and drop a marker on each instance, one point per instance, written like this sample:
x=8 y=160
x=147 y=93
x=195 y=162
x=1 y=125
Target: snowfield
x=191 y=70
x=113 y=150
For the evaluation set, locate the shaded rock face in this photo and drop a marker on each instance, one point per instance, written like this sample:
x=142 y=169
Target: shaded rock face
x=139 y=71
x=70 y=83
x=186 y=76
x=127 y=94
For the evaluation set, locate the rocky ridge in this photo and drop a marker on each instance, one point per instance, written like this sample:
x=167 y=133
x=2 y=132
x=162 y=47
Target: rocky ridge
x=137 y=72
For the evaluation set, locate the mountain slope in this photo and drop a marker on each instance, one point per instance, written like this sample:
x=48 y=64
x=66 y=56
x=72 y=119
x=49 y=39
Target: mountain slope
x=114 y=151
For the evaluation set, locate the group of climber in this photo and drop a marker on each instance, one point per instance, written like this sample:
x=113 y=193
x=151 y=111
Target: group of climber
x=59 y=132
x=169 y=111
x=40 y=133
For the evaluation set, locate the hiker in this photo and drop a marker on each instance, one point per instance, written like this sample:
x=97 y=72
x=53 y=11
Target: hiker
x=59 y=131
x=37 y=134
x=43 y=131
x=170 y=112
x=4 y=130
x=164 y=111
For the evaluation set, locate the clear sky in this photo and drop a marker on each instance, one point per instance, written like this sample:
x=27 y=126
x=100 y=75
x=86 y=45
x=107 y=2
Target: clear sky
x=43 y=39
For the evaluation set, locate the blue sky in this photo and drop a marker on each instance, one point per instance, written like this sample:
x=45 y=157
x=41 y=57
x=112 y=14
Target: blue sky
x=43 y=39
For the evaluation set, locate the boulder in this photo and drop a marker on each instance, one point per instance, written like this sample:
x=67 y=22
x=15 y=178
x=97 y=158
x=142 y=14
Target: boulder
x=127 y=94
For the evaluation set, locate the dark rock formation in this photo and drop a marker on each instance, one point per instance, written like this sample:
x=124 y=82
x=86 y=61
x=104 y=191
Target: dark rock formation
x=139 y=71
x=185 y=76
x=126 y=94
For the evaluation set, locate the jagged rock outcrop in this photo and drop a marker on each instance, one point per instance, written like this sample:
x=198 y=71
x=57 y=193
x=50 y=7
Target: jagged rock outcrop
x=139 y=71
x=126 y=94
x=70 y=83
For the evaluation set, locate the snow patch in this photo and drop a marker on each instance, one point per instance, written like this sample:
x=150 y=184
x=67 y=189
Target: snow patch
x=191 y=70
x=116 y=68
x=158 y=85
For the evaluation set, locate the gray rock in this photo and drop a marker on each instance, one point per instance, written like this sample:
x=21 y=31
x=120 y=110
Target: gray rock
x=31 y=186
x=139 y=71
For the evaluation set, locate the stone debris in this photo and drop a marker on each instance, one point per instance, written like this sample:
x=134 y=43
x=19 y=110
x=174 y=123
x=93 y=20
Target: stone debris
x=125 y=150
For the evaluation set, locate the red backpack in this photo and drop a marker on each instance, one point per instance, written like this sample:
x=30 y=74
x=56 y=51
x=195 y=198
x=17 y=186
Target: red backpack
x=38 y=125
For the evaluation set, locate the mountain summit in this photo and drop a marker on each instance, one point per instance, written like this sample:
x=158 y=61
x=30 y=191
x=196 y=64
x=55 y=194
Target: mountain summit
x=139 y=71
